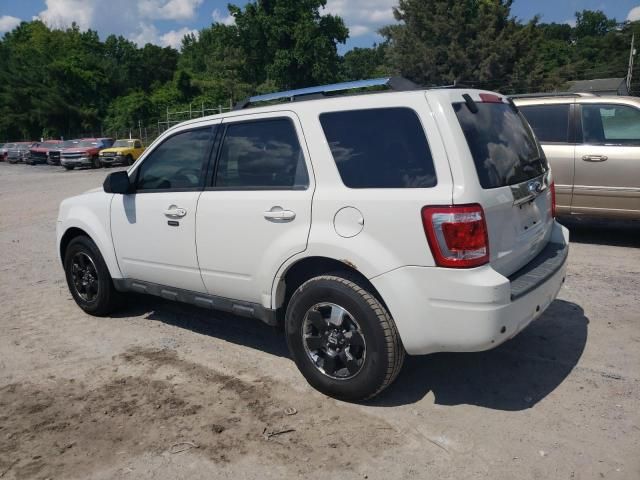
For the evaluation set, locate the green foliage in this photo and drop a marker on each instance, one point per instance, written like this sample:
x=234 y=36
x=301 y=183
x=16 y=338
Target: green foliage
x=64 y=82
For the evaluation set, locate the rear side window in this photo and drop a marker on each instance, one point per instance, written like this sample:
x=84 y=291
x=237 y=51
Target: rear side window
x=502 y=144
x=263 y=154
x=549 y=122
x=610 y=124
x=380 y=148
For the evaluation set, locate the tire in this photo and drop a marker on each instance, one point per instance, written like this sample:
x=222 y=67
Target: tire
x=96 y=163
x=376 y=358
x=68 y=167
x=129 y=160
x=97 y=295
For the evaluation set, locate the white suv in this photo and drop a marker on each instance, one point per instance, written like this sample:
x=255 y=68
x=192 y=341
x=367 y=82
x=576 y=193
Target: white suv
x=370 y=225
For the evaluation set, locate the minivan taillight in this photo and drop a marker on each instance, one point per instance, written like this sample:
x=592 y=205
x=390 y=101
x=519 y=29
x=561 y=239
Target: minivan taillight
x=457 y=235
x=553 y=199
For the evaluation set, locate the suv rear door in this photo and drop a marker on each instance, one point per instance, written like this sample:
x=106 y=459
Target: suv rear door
x=497 y=162
x=607 y=174
x=256 y=209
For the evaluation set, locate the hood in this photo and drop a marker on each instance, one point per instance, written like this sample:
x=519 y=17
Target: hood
x=81 y=150
x=116 y=149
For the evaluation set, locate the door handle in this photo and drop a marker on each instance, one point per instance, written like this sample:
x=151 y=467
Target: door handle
x=174 y=211
x=279 y=214
x=595 y=158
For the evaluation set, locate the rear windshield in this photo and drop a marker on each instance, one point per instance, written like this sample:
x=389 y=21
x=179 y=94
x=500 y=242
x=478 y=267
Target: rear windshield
x=503 y=147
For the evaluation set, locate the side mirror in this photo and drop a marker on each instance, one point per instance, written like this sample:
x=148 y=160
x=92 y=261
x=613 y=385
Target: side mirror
x=117 y=182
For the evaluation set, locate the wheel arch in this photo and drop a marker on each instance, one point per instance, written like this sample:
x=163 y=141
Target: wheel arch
x=305 y=268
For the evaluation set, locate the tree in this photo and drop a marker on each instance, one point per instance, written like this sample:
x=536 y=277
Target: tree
x=288 y=42
x=363 y=63
x=439 y=42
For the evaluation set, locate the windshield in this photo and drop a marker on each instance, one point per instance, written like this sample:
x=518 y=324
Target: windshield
x=87 y=143
x=49 y=145
x=503 y=147
x=123 y=143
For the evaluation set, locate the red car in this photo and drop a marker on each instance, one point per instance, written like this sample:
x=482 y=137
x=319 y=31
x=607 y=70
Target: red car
x=40 y=153
x=85 y=153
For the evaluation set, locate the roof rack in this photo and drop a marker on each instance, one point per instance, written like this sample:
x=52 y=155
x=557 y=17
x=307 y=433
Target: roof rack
x=553 y=94
x=392 y=83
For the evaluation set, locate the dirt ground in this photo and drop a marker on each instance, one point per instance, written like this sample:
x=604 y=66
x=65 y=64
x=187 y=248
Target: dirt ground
x=168 y=391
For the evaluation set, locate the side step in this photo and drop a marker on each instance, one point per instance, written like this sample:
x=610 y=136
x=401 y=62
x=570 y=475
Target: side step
x=211 y=302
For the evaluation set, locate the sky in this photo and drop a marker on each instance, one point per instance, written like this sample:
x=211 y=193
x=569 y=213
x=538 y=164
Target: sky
x=165 y=22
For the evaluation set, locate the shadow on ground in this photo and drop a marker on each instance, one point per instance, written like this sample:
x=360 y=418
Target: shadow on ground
x=620 y=233
x=231 y=328
x=514 y=376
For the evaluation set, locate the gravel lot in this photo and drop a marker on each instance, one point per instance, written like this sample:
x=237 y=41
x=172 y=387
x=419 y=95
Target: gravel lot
x=164 y=390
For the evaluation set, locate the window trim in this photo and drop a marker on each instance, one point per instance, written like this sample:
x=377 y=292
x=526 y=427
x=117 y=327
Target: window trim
x=217 y=153
x=580 y=134
x=392 y=107
x=570 y=127
x=205 y=164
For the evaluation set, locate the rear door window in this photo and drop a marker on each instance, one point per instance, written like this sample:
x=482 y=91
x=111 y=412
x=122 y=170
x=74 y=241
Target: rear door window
x=549 y=122
x=610 y=124
x=502 y=145
x=380 y=148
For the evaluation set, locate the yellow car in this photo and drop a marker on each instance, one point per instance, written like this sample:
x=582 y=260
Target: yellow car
x=121 y=152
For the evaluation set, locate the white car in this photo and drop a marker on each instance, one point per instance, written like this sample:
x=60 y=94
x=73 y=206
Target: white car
x=371 y=225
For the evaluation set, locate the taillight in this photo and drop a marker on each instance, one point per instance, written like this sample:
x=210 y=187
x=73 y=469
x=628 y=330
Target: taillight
x=457 y=235
x=553 y=199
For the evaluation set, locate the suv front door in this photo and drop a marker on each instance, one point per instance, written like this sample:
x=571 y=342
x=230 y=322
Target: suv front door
x=256 y=211
x=154 y=227
x=607 y=176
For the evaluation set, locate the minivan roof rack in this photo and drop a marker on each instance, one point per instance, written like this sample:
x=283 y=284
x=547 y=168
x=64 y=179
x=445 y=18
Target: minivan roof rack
x=392 y=83
x=553 y=94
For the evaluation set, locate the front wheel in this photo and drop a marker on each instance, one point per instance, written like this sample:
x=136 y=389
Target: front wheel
x=96 y=163
x=68 y=167
x=129 y=160
x=342 y=338
x=88 y=278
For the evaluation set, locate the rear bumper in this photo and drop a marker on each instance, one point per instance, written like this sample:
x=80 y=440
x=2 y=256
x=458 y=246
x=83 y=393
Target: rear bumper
x=455 y=310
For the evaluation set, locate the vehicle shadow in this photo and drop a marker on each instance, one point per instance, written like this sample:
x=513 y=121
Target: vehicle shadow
x=514 y=376
x=620 y=233
x=243 y=331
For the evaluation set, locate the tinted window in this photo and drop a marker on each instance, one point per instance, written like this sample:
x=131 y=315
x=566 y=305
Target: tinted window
x=610 y=124
x=503 y=147
x=177 y=163
x=379 y=148
x=137 y=145
x=549 y=122
x=261 y=154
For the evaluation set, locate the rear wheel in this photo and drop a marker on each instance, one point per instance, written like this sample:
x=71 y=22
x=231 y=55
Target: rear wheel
x=342 y=338
x=88 y=278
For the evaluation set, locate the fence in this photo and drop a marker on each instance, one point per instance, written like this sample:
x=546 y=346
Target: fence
x=148 y=133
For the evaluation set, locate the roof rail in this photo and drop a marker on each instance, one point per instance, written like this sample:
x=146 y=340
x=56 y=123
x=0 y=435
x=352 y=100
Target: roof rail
x=553 y=94
x=392 y=83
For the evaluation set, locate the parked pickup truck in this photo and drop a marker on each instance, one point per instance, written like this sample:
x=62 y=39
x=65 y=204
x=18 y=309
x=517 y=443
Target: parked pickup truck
x=40 y=153
x=593 y=146
x=55 y=154
x=19 y=152
x=85 y=153
x=123 y=152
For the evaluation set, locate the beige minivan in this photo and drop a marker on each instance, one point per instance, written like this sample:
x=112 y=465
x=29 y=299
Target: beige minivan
x=593 y=146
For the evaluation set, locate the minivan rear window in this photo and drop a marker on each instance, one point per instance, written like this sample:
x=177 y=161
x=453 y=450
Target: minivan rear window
x=380 y=148
x=504 y=150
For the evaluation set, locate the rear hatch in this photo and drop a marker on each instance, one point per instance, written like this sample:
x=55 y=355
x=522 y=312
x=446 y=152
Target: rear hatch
x=514 y=177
